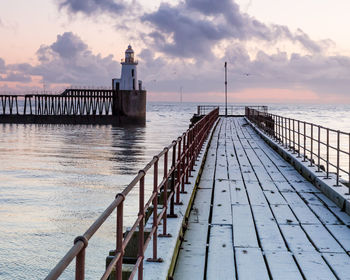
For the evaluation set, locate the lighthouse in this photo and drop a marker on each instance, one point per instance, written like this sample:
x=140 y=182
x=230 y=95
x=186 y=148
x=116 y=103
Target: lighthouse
x=128 y=79
x=129 y=99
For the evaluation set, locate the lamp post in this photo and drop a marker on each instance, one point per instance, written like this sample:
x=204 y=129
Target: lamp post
x=225 y=89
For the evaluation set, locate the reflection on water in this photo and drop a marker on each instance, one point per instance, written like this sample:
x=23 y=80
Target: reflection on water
x=55 y=180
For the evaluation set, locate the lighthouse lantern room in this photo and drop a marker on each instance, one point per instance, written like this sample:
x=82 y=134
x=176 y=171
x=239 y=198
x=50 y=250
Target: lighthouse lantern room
x=128 y=79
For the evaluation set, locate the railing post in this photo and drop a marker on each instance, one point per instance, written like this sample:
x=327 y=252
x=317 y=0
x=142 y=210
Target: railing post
x=183 y=166
x=327 y=161
x=349 y=166
x=294 y=136
x=304 y=141
x=338 y=155
x=319 y=149
x=289 y=135
x=172 y=186
x=155 y=213
x=178 y=172
x=141 y=225
x=312 y=144
x=165 y=195
x=80 y=259
x=286 y=132
x=119 y=239
x=298 y=138
x=187 y=157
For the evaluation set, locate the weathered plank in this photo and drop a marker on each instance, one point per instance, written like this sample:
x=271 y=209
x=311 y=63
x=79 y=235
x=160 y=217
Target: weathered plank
x=322 y=239
x=221 y=263
x=282 y=266
x=244 y=234
x=340 y=264
x=250 y=264
x=222 y=203
x=313 y=266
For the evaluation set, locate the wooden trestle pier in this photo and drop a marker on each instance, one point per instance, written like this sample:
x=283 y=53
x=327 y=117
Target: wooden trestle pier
x=75 y=106
x=256 y=217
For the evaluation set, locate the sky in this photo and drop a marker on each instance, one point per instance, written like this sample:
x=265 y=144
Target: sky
x=277 y=51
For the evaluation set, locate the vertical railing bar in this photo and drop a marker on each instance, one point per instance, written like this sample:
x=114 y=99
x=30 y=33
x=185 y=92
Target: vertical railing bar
x=141 y=224
x=327 y=161
x=319 y=149
x=338 y=155
x=312 y=144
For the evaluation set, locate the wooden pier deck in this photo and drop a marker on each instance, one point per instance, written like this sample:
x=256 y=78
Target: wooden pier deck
x=255 y=217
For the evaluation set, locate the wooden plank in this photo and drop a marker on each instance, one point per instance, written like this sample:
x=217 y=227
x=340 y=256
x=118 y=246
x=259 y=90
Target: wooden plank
x=342 y=234
x=268 y=185
x=221 y=165
x=201 y=206
x=293 y=198
x=284 y=215
x=282 y=266
x=340 y=264
x=268 y=232
x=244 y=234
x=284 y=186
x=221 y=263
x=322 y=239
x=341 y=215
x=255 y=194
x=310 y=198
x=326 y=216
x=296 y=239
x=238 y=193
x=304 y=186
x=222 y=203
x=191 y=260
x=313 y=266
x=248 y=173
x=261 y=173
x=326 y=200
x=250 y=264
x=304 y=214
x=275 y=198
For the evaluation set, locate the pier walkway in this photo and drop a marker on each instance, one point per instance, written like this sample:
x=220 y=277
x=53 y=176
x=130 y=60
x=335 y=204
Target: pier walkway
x=255 y=217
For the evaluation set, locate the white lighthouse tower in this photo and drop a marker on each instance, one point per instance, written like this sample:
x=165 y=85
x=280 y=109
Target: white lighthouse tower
x=128 y=79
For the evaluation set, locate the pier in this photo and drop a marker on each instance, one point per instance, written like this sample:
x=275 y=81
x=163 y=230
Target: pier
x=256 y=217
x=247 y=196
x=76 y=106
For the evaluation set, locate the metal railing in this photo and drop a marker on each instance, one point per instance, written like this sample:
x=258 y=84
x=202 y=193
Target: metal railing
x=232 y=110
x=183 y=153
x=8 y=104
x=71 y=102
x=327 y=148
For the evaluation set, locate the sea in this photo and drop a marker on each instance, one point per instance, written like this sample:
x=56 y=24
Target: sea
x=55 y=181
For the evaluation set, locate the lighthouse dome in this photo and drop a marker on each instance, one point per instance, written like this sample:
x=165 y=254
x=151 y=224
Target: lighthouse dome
x=129 y=49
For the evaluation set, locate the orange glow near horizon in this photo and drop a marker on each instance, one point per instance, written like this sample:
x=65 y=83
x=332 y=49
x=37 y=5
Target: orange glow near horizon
x=254 y=95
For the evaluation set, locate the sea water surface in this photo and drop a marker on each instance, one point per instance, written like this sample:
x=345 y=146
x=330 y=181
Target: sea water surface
x=55 y=180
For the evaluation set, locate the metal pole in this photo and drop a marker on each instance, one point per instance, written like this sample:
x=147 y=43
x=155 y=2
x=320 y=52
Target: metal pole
x=225 y=89
x=338 y=155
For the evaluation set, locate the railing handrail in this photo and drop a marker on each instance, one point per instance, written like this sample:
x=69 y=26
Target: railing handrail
x=300 y=137
x=185 y=150
x=231 y=108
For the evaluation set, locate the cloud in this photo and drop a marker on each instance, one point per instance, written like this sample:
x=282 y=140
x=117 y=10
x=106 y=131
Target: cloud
x=91 y=7
x=66 y=61
x=192 y=28
x=2 y=66
x=16 y=77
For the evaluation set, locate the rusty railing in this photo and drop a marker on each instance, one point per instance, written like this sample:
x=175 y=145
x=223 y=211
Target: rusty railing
x=232 y=110
x=327 y=149
x=183 y=153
